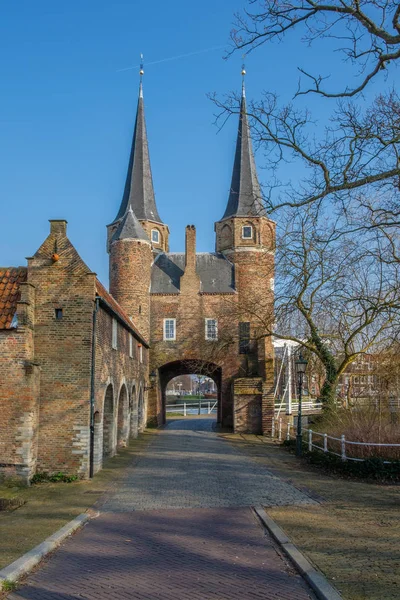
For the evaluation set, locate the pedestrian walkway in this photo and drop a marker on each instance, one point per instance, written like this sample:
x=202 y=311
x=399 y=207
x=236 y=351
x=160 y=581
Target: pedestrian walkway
x=189 y=466
x=179 y=527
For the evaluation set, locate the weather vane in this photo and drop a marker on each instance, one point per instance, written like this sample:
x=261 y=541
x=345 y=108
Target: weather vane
x=243 y=73
x=141 y=72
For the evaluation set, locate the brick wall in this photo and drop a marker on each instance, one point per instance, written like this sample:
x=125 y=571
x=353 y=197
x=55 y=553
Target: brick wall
x=247 y=401
x=120 y=380
x=19 y=393
x=130 y=273
x=63 y=350
x=253 y=302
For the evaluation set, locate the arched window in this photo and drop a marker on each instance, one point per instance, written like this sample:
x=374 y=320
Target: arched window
x=225 y=237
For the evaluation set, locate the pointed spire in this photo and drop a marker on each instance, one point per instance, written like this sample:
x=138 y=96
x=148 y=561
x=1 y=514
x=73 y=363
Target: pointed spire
x=139 y=191
x=130 y=228
x=245 y=198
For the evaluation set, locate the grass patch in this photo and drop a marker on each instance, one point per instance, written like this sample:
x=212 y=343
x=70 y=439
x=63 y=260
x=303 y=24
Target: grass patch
x=59 y=477
x=50 y=505
x=9 y=586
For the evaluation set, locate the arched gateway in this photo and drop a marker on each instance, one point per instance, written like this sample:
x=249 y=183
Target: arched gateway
x=208 y=306
x=187 y=367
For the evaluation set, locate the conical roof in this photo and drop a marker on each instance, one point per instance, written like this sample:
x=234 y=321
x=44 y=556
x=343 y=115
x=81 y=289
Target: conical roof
x=245 y=198
x=130 y=228
x=139 y=191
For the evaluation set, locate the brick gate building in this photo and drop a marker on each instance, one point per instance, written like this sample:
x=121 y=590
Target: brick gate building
x=83 y=369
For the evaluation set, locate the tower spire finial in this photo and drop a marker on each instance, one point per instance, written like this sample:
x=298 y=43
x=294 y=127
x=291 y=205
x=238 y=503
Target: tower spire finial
x=243 y=76
x=141 y=73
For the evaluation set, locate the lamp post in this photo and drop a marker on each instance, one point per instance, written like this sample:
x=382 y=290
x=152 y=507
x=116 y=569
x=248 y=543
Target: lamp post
x=301 y=366
x=153 y=380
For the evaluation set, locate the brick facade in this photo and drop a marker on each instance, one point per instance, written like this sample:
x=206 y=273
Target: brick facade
x=63 y=319
x=81 y=354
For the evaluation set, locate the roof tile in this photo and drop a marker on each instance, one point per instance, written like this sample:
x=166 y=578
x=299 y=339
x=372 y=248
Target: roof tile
x=103 y=293
x=10 y=280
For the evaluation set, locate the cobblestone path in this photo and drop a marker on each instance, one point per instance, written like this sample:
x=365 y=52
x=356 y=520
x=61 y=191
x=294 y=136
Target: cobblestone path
x=179 y=527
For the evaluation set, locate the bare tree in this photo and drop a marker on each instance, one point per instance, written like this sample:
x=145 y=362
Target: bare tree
x=368 y=32
x=332 y=296
x=337 y=273
x=357 y=153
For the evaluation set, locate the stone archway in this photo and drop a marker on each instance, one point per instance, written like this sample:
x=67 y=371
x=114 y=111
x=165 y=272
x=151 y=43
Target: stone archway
x=123 y=418
x=141 y=409
x=188 y=367
x=134 y=424
x=108 y=423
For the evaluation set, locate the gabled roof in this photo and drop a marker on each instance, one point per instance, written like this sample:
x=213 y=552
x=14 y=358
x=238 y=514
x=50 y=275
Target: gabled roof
x=216 y=273
x=245 y=198
x=130 y=228
x=139 y=191
x=10 y=280
x=112 y=305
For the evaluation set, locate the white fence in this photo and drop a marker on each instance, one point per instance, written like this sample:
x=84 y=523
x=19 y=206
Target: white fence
x=193 y=408
x=307 y=407
x=320 y=441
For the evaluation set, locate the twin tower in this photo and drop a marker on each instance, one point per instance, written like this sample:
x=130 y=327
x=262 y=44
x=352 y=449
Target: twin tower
x=178 y=301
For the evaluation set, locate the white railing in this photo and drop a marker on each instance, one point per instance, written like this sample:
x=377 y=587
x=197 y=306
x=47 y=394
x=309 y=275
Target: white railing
x=190 y=408
x=306 y=406
x=287 y=430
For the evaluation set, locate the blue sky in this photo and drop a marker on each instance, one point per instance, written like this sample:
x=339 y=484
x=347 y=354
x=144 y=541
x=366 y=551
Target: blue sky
x=67 y=113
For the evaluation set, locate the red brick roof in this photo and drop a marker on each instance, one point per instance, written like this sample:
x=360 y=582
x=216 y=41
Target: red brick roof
x=10 y=279
x=102 y=292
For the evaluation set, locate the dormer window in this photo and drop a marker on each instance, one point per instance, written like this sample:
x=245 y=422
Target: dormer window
x=247 y=232
x=155 y=236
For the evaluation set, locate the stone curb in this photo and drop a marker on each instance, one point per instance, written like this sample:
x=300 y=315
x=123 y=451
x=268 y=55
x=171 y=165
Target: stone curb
x=319 y=584
x=28 y=561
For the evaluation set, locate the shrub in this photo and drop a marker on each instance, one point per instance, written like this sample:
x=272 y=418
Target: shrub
x=42 y=477
x=373 y=423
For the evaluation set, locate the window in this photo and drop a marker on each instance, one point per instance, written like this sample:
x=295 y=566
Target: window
x=244 y=338
x=211 y=329
x=155 y=236
x=130 y=345
x=58 y=313
x=169 y=329
x=114 y=334
x=140 y=353
x=247 y=232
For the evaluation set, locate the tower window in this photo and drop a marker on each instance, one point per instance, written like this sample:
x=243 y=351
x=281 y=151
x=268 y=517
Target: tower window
x=169 y=329
x=114 y=339
x=58 y=313
x=130 y=345
x=247 y=232
x=244 y=337
x=155 y=236
x=211 y=326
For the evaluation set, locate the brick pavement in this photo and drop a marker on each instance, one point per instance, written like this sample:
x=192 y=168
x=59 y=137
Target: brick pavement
x=189 y=466
x=145 y=546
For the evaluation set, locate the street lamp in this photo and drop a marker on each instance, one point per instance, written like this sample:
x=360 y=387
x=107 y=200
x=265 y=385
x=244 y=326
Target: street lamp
x=153 y=380
x=301 y=366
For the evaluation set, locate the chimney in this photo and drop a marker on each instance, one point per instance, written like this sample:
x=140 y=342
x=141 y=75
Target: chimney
x=190 y=249
x=58 y=226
